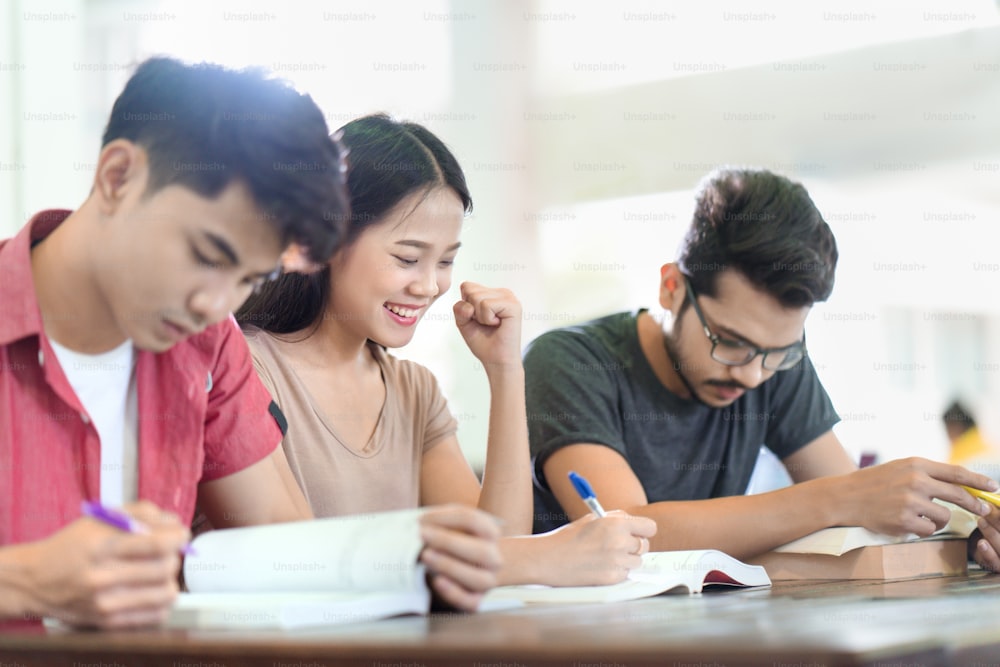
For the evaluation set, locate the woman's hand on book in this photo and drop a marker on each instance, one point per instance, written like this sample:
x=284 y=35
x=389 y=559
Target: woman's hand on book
x=90 y=574
x=593 y=552
x=461 y=552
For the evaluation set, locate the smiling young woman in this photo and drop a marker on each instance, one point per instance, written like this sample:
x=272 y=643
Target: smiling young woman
x=369 y=432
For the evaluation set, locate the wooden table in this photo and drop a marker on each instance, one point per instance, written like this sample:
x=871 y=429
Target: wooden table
x=922 y=622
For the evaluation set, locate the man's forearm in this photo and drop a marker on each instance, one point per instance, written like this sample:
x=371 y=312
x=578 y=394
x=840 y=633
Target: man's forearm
x=742 y=526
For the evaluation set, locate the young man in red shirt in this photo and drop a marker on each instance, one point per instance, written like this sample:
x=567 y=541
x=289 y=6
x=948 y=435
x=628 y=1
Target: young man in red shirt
x=124 y=379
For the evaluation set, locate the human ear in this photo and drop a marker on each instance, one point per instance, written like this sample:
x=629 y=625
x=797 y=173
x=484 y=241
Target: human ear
x=295 y=259
x=671 y=287
x=118 y=168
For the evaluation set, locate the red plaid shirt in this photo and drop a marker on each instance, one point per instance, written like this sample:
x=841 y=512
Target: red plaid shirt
x=203 y=413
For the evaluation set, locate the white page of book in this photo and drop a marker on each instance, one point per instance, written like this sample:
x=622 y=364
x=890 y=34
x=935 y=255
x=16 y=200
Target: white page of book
x=661 y=571
x=841 y=539
x=359 y=553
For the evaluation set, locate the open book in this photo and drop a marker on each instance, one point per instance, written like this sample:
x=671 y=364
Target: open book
x=853 y=552
x=661 y=572
x=305 y=573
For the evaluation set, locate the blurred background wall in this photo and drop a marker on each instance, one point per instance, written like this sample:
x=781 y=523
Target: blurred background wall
x=584 y=126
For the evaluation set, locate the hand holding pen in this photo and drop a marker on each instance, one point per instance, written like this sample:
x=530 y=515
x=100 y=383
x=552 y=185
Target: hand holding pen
x=91 y=575
x=598 y=548
x=588 y=496
x=583 y=488
x=122 y=521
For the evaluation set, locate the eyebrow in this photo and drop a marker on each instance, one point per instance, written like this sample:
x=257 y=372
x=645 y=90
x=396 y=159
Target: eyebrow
x=729 y=333
x=223 y=246
x=413 y=243
x=738 y=336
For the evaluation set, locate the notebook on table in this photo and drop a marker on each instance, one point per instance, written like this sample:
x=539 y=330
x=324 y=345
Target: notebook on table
x=684 y=572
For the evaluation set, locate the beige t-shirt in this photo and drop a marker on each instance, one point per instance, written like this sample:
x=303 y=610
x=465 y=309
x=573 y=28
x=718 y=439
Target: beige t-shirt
x=385 y=474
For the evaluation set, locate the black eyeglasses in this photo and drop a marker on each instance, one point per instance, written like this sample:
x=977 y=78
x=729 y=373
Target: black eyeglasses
x=738 y=353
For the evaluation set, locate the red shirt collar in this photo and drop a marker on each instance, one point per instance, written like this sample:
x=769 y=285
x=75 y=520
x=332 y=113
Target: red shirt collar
x=21 y=316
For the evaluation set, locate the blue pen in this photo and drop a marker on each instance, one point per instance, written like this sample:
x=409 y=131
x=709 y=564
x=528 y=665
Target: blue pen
x=121 y=520
x=582 y=487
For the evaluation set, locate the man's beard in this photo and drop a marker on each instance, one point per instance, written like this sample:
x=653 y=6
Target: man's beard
x=677 y=361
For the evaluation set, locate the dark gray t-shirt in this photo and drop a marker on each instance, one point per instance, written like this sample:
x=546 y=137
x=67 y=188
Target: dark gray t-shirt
x=592 y=383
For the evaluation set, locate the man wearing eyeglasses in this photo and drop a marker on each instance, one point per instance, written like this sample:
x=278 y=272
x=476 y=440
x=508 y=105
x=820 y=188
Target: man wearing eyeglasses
x=665 y=414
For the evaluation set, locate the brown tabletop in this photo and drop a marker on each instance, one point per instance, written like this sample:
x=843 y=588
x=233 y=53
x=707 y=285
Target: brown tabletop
x=934 y=621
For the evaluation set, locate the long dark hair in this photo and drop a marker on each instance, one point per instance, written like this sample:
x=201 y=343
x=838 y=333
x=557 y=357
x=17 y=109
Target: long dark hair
x=388 y=161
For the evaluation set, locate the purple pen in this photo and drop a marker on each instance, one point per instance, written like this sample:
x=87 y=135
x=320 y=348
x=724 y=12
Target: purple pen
x=121 y=521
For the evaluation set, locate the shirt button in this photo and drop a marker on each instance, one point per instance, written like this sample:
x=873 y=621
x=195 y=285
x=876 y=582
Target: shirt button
x=84 y=418
x=41 y=357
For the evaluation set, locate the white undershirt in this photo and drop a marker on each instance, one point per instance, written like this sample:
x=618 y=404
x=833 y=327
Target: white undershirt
x=105 y=385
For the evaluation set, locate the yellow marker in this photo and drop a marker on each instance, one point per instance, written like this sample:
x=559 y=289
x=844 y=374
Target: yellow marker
x=993 y=498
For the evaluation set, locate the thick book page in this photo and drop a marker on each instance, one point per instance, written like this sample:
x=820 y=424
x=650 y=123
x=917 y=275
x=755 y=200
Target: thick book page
x=838 y=541
x=905 y=560
x=661 y=571
x=368 y=552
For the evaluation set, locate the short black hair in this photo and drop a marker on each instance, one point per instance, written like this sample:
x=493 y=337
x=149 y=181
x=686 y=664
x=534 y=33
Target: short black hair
x=389 y=161
x=764 y=226
x=204 y=126
x=958 y=415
